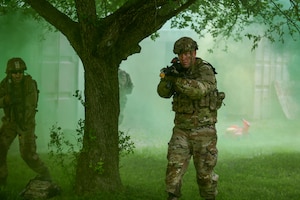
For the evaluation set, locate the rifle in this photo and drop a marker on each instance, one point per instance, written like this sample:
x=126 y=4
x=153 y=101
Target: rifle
x=173 y=70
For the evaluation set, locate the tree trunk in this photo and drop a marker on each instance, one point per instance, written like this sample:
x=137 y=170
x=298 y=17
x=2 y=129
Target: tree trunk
x=101 y=45
x=98 y=163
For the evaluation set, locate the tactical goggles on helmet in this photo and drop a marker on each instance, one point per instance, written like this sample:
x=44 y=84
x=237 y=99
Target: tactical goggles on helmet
x=15 y=64
x=17 y=71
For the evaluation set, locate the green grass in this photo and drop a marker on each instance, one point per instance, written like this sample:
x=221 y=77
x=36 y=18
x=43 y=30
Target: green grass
x=264 y=165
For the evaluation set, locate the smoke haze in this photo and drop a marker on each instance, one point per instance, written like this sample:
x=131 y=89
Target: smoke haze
x=247 y=77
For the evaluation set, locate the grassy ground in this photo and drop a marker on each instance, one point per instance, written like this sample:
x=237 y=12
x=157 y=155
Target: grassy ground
x=264 y=165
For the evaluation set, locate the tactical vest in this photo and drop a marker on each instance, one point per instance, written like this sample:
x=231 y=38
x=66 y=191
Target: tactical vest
x=197 y=112
x=18 y=92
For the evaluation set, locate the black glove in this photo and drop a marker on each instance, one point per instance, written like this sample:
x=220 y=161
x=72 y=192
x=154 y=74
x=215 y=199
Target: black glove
x=174 y=70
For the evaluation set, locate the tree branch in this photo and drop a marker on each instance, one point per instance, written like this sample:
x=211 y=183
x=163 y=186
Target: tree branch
x=286 y=16
x=137 y=19
x=169 y=11
x=56 y=18
x=295 y=6
x=86 y=11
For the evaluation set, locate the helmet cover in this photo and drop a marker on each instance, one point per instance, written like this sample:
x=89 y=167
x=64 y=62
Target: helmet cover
x=15 y=64
x=184 y=44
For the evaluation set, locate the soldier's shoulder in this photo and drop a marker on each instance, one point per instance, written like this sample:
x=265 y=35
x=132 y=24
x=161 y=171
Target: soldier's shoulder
x=29 y=81
x=204 y=65
x=28 y=77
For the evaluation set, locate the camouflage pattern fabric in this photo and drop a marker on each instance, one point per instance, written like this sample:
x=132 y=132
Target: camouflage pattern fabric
x=201 y=144
x=19 y=120
x=192 y=97
x=125 y=88
x=194 y=134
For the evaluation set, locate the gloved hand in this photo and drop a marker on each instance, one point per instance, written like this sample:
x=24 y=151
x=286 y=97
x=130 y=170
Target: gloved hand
x=171 y=79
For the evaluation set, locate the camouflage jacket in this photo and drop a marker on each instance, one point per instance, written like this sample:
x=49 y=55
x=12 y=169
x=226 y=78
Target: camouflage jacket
x=194 y=95
x=23 y=101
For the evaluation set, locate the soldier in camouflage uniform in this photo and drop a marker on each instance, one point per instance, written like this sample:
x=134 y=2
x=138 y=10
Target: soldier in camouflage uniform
x=195 y=103
x=18 y=98
x=125 y=88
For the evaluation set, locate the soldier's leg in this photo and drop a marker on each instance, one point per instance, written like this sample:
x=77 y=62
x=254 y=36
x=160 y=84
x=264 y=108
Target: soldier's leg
x=205 y=159
x=27 y=142
x=7 y=136
x=178 y=160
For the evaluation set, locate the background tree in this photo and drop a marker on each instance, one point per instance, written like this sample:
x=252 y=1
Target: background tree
x=103 y=33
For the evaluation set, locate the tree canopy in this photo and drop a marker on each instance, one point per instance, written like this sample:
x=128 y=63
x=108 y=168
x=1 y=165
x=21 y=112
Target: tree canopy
x=226 y=18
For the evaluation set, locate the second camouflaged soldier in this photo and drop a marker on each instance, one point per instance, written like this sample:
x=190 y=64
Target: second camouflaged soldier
x=192 y=84
x=125 y=88
x=18 y=98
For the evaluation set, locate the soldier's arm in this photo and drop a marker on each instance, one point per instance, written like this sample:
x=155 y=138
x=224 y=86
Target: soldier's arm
x=198 y=87
x=3 y=93
x=31 y=103
x=165 y=87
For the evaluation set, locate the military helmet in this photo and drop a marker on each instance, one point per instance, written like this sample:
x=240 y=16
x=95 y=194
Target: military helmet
x=15 y=64
x=185 y=44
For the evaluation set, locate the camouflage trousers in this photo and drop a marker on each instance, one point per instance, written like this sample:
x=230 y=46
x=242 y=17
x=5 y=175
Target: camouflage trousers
x=27 y=147
x=201 y=145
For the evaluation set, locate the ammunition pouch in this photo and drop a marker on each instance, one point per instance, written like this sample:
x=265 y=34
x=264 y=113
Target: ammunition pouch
x=213 y=100
x=216 y=100
x=183 y=104
x=220 y=98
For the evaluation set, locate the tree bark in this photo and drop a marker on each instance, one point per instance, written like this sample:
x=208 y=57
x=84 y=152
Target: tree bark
x=101 y=45
x=98 y=163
